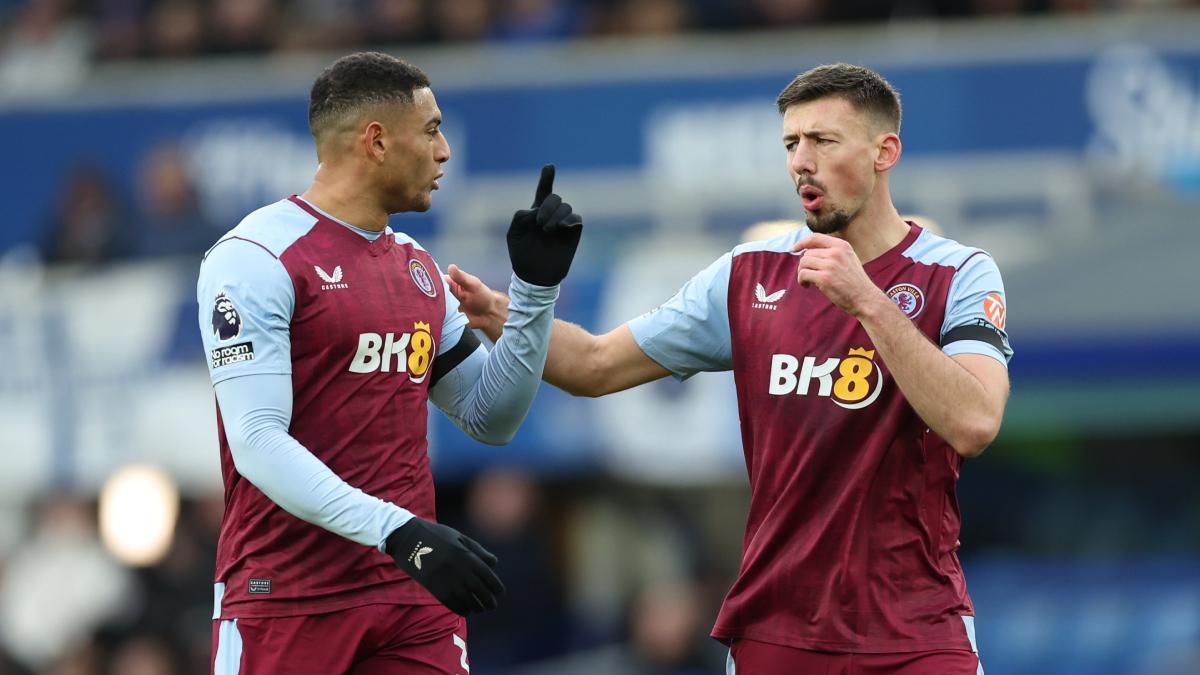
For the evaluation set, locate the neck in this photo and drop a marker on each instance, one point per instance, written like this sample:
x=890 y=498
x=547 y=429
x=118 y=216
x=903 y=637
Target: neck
x=338 y=191
x=876 y=229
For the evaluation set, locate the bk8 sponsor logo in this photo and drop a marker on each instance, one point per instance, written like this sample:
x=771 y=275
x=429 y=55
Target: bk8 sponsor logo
x=387 y=353
x=857 y=385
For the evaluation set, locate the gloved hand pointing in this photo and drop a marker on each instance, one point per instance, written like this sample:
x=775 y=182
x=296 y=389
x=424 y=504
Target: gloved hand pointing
x=542 y=239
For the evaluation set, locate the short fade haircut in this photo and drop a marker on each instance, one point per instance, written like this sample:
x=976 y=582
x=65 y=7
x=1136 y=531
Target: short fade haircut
x=359 y=80
x=862 y=88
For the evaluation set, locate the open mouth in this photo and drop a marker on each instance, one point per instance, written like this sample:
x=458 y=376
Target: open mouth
x=811 y=197
x=435 y=180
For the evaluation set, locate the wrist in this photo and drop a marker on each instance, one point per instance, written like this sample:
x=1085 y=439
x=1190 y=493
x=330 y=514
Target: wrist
x=874 y=307
x=530 y=296
x=394 y=541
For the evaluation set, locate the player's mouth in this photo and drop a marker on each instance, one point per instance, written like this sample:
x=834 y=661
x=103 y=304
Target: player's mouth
x=435 y=179
x=812 y=198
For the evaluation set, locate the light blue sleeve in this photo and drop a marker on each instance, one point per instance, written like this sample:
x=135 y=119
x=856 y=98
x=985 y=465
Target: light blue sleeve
x=245 y=299
x=689 y=333
x=256 y=411
x=976 y=298
x=455 y=321
x=489 y=393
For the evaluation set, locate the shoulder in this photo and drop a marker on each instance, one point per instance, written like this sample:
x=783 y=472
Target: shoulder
x=780 y=244
x=271 y=229
x=405 y=240
x=932 y=249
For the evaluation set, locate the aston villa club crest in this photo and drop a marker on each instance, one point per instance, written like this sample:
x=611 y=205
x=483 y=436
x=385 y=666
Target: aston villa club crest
x=422 y=278
x=908 y=298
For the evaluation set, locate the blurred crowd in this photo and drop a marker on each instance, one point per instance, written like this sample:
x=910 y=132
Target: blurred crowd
x=50 y=43
x=595 y=585
x=602 y=576
x=94 y=221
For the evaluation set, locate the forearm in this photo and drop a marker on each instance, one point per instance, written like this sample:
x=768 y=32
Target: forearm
x=570 y=362
x=489 y=396
x=569 y=353
x=578 y=362
x=948 y=397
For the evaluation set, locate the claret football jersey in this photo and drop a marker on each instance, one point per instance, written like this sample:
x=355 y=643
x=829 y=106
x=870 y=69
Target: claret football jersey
x=852 y=535
x=357 y=322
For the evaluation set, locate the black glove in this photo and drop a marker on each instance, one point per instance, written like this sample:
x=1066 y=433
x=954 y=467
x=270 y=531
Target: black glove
x=542 y=240
x=451 y=565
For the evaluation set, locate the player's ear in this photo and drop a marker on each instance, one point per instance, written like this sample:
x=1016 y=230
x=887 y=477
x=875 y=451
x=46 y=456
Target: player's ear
x=887 y=151
x=375 y=141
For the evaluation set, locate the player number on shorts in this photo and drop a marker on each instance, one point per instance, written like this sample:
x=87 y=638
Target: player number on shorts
x=462 y=647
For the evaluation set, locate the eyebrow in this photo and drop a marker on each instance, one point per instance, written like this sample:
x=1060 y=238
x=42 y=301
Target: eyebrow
x=436 y=119
x=812 y=134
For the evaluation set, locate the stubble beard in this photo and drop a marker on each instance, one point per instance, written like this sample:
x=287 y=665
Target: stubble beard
x=834 y=221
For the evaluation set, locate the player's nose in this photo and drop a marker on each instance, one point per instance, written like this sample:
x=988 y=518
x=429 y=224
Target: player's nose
x=442 y=152
x=802 y=163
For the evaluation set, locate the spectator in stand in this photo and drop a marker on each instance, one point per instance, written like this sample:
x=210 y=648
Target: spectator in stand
x=175 y=29
x=119 y=28
x=506 y=517
x=665 y=637
x=244 y=26
x=323 y=24
x=59 y=586
x=650 y=17
x=143 y=655
x=536 y=20
x=46 y=51
x=89 y=224
x=462 y=20
x=169 y=220
x=396 y=22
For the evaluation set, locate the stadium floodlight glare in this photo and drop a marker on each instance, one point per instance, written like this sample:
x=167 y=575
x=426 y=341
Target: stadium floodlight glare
x=138 y=508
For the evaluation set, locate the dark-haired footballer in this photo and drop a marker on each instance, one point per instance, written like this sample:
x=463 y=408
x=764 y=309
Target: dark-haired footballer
x=870 y=359
x=327 y=334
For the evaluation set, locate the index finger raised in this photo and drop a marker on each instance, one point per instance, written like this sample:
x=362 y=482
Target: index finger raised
x=545 y=185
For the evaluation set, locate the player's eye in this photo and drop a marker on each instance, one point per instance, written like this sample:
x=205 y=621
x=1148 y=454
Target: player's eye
x=790 y=145
x=824 y=141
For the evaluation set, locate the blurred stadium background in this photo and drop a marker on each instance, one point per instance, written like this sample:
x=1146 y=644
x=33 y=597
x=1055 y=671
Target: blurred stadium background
x=1062 y=135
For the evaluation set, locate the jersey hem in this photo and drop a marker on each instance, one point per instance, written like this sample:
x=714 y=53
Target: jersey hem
x=646 y=342
x=725 y=635
x=268 y=609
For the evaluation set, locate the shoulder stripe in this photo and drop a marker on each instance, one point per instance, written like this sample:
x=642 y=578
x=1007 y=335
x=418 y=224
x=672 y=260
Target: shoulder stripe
x=273 y=228
x=404 y=239
x=778 y=244
x=964 y=263
x=206 y=254
x=931 y=249
x=306 y=208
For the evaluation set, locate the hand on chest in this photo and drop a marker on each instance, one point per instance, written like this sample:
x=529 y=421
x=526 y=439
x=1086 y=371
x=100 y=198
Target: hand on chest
x=793 y=342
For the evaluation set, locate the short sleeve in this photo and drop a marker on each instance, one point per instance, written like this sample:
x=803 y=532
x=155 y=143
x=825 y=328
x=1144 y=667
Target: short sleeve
x=976 y=311
x=689 y=333
x=246 y=299
x=455 y=321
